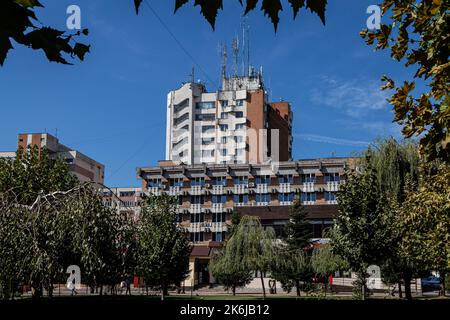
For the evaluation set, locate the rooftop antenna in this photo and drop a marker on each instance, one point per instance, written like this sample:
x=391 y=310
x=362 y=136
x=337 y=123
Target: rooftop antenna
x=192 y=74
x=224 y=61
x=235 y=54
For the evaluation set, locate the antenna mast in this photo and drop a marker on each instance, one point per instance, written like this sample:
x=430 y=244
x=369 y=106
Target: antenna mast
x=235 y=54
x=224 y=61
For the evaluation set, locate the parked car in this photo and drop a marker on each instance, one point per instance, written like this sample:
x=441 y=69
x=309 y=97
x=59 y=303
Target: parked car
x=431 y=282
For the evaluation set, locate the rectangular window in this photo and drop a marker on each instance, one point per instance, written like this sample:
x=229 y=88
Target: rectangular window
x=198 y=181
x=240 y=126
x=238 y=139
x=224 y=152
x=308 y=196
x=239 y=152
x=220 y=181
x=224 y=115
x=224 y=103
x=205 y=105
x=224 y=140
x=176 y=182
x=197 y=236
x=332 y=177
x=207 y=141
x=308 y=177
x=287 y=178
x=263 y=198
x=239 y=114
x=219 y=217
x=240 y=198
x=223 y=127
x=154 y=183
x=207 y=153
x=205 y=117
x=219 y=198
x=241 y=180
x=263 y=180
x=198 y=199
x=286 y=197
x=330 y=196
x=240 y=102
x=208 y=129
x=197 y=217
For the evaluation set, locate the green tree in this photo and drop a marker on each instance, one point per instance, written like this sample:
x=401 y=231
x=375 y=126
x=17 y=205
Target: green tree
x=359 y=234
x=417 y=33
x=235 y=219
x=298 y=229
x=163 y=250
x=227 y=270
x=425 y=220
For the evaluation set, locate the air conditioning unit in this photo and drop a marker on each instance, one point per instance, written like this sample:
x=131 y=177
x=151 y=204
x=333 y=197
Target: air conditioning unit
x=251 y=185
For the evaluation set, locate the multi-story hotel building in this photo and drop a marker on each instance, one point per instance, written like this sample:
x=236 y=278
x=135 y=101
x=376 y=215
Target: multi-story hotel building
x=84 y=167
x=234 y=125
x=209 y=193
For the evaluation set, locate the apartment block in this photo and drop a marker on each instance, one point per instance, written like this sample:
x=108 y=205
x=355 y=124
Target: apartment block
x=84 y=167
x=125 y=200
x=236 y=124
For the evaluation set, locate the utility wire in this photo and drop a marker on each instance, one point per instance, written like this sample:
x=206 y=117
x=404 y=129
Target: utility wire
x=180 y=44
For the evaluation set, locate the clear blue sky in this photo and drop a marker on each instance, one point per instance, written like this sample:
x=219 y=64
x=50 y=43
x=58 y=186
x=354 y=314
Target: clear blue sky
x=112 y=106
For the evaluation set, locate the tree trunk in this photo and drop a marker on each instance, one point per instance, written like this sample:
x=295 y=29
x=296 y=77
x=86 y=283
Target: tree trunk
x=407 y=280
x=442 y=288
x=101 y=290
x=164 y=291
x=297 y=286
x=263 y=286
x=400 y=292
x=233 y=289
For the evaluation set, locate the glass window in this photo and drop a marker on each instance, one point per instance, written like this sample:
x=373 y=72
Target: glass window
x=205 y=105
x=220 y=181
x=207 y=140
x=239 y=126
x=308 y=177
x=205 y=117
x=263 y=197
x=198 y=181
x=207 y=129
x=241 y=180
x=223 y=127
x=224 y=140
x=224 y=152
x=239 y=114
x=286 y=197
x=239 y=152
x=287 y=178
x=198 y=199
x=263 y=180
x=224 y=103
x=219 y=198
x=177 y=182
x=308 y=196
x=224 y=115
x=332 y=177
x=238 y=139
x=154 y=183
x=240 y=102
x=240 y=198
x=330 y=196
x=197 y=236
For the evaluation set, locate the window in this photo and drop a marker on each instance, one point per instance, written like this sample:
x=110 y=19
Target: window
x=240 y=102
x=330 y=196
x=224 y=115
x=207 y=129
x=286 y=197
x=239 y=114
x=220 y=181
x=263 y=197
x=219 y=198
x=263 y=180
x=287 y=178
x=241 y=180
x=198 y=181
x=205 y=105
x=224 y=103
x=207 y=141
x=219 y=217
x=207 y=153
x=205 y=117
x=197 y=217
x=224 y=152
x=223 y=127
x=332 y=177
x=238 y=139
x=240 y=126
x=218 y=236
x=308 y=177
x=308 y=196
x=240 y=198
x=176 y=182
x=198 y=199
x=196 y=236
x=154 y=183
x=224 y=140
x=126 y=193
x=239 y=152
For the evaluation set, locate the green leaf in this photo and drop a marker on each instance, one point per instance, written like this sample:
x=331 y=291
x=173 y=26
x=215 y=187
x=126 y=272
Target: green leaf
x=29 y=3
x=272 y=9
x=209 y=9
x=251 y=4
x=318 y=7
x=80 y=50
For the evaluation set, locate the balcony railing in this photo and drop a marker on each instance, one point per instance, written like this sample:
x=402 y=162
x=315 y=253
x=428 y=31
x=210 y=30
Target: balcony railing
x=240 y=188
x=217 y=207
x=310 y=202
x=217 y=189
x=174 y=190
x=196 y=208
x=331 y=201
x=285 y=187
x=261 y=188
x=285 y=203
x=308 y=187
x=154 y=190
x=196 y=190
x=332 y=186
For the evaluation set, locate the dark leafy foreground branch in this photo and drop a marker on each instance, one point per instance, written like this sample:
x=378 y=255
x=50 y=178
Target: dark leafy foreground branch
x=20 y=24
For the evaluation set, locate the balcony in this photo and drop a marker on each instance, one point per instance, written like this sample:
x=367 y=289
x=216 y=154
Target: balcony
x=218 y=227
x=197 y=190
x=308 y=203
x=196 y=208
x=217 y=208
x=261 y=188
x=262 y=204
x=218 y=189
x=285 y=203
x=155 y=191
x=308 y=187
x=174 y=191
x=285 y=188
x=332 y=186
x=331 y=201
x=240 y=189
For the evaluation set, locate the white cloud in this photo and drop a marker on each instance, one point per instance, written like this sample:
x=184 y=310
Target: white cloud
x=331 y=140
x=356 y=98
